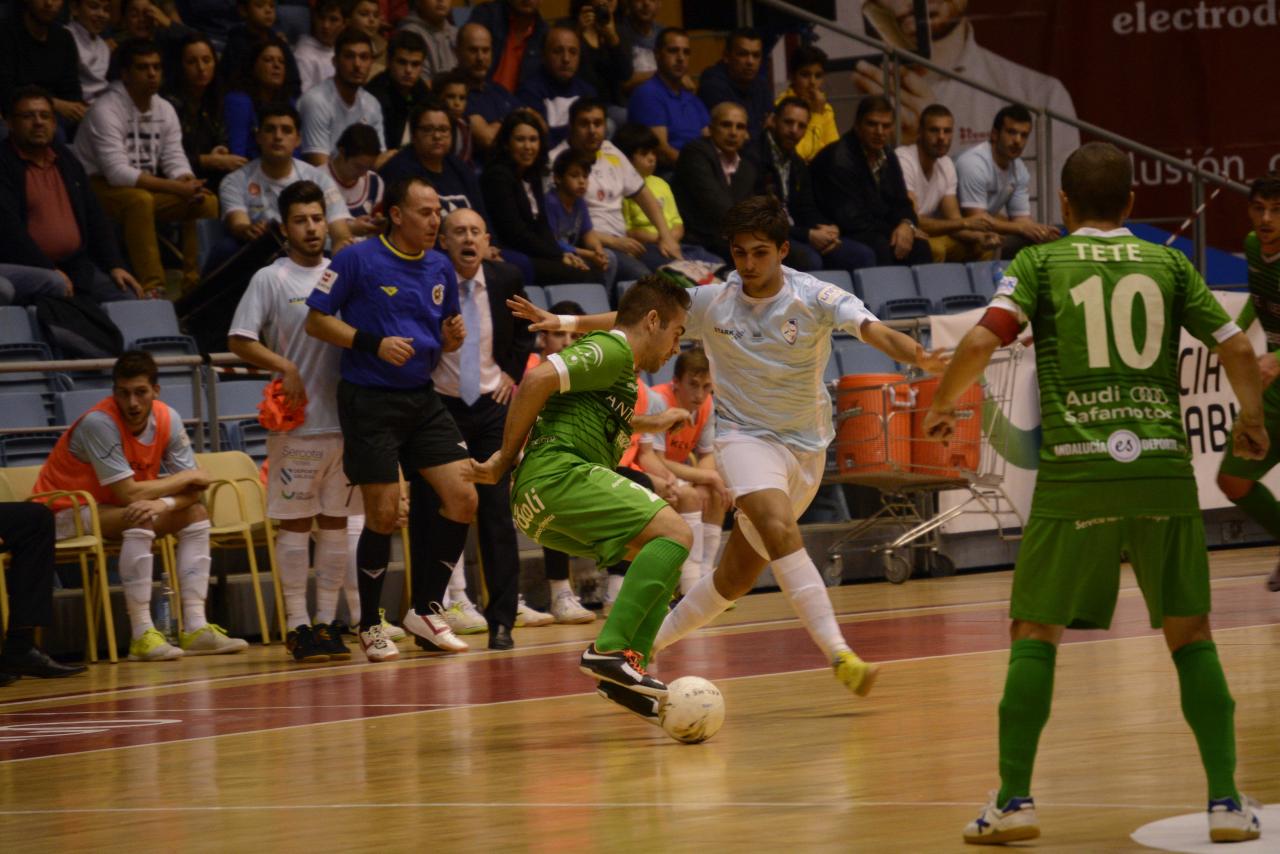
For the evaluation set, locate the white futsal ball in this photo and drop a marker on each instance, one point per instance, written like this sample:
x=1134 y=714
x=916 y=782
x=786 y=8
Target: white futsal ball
x=693 y=710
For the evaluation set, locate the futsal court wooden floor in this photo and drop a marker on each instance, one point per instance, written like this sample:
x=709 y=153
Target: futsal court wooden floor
x=515 y=752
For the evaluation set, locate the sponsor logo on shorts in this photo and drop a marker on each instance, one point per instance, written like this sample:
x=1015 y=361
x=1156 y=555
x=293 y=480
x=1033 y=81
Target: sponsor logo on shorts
x=790 y=330
x=390 y=290
x=437 y=294
x=527 y=508
x=1082 y=524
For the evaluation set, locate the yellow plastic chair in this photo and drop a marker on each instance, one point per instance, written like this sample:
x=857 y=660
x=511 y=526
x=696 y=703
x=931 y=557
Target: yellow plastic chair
x=237 y=506
x=17 y=484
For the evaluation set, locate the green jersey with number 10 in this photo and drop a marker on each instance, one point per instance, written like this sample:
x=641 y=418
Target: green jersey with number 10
x=1105 y=309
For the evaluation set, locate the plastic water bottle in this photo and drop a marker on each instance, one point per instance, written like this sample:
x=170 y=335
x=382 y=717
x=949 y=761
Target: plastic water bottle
x=164 y=608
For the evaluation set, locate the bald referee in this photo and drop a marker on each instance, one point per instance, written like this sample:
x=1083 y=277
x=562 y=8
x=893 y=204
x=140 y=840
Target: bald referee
x=399 y=304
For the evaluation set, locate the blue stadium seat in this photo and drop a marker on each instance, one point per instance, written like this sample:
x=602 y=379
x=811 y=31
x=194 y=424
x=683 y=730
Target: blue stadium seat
x=151 y=325
x=890 y=292
x=239 y=398
x=27 y=449
x=841 y=278
x=16 y=326
x=536 y=295
x=620 y=288
x=70 y=405
x=983 y=275
x=460 y=15
x=592 y=297
x=662 y=375
x=857 y=358
x=24 y=409
x=947 y=287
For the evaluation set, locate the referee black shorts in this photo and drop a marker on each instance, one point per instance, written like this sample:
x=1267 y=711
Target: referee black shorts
x=383 y=428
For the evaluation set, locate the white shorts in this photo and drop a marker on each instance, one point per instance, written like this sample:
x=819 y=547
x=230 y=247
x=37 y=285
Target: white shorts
x=305 y=478
x=65 y=522
x=750 y=464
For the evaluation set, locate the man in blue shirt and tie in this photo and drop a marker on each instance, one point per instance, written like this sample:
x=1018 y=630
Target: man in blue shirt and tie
x=399 y=304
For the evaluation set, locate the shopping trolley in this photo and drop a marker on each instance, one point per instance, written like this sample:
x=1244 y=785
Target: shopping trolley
x=880 y=443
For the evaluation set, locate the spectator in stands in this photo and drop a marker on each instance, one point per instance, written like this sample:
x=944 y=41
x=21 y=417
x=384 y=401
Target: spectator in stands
x=674 y=113
x=27 y=534
x=214 y=18
x=808 y=72
x=366 y=16
x=351 y=169
x=713 y=176
x=862 y=190
x=250 y=207
x=992 y=179
x=341 y=100
x=737 y=78
x=116 y=452
x=640 y=145
x=569 y=219
x=258 y=21
x=254 y=86
x=488 y=103
x=400 y=88
x=193 y=89
x=50 y=219
x=519 y=33
x=36 y=50
x=430 y=19
x=143 y=19
x=314 y=51
x=931 y=182
x=552 y=88
x=131 y=146
x=451 y=88
x=512 y=186
x=613 y=179
x=428 y=157
x=606 y=61
x=639 y=30
x=815 y=244
x=89 y=19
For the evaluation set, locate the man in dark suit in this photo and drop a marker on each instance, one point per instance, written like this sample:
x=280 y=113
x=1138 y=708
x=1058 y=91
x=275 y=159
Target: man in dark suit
x=49 y=216
x=712 y=176
x=476 y=382
x=816 y=242
x=863 y=192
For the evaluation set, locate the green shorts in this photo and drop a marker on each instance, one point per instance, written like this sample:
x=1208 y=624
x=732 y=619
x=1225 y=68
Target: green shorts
x=565 y=503
x=1068 y=571
x=1257 y=469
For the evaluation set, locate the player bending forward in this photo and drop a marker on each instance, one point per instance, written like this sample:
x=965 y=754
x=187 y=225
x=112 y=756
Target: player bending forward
x=767 y=333
x=567 y=496
x=1105 y=308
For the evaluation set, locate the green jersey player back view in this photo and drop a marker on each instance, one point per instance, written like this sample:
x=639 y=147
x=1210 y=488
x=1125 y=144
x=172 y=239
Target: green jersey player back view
x=1115 y=472
x=1238 y=478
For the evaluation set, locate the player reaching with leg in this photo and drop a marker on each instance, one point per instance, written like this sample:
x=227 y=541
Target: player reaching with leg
x=767 y=334
x=1105 y=309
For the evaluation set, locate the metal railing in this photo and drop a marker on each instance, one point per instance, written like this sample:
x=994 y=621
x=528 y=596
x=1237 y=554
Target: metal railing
x=896 y=57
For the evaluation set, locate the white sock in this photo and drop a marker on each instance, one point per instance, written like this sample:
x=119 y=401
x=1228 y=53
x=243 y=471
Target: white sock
x=293 y=559
x=614 y=586
x=691 y=569
x=711 y=534
x=802 y=584
x=457 y=589
x=559 y=587
x=699 y=606
x=136 y=562
x=351 y=586
x=331 y=570
x=193 y=571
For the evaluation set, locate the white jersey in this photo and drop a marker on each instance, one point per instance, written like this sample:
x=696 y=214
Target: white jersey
x=274 y=311
x=768 y=355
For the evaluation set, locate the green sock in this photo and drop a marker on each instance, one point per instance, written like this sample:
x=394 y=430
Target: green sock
x=1024 y=710
x=647 y=586
x=648 y=631
x=1209 y=709
x=1262 y=507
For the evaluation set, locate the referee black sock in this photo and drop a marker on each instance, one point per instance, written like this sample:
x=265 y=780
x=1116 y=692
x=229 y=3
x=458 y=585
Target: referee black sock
x=444 y=543
x=373 y=553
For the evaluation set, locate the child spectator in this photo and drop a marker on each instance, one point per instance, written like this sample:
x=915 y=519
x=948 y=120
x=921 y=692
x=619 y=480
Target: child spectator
x=808 y=73
x=568 y=216
x=191 y=86
x=256 y=84
x=89 y=18
x=366 y=16
x=258 y=27
x=430 y=19
x=314 y=51
x=451 y=89
x=352 y=170
x=640 y=145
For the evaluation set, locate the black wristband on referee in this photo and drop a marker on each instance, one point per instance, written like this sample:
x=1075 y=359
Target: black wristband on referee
x=366 y=342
